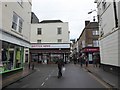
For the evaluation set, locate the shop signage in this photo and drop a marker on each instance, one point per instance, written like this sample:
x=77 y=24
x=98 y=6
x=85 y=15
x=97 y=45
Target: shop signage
x=50 y=45
x=91 y=50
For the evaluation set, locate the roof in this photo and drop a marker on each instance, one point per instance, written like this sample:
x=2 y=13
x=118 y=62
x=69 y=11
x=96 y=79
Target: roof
x=51 y=21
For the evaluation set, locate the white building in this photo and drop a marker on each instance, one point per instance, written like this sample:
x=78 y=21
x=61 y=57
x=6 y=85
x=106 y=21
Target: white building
x=49 y=39
x=108 y=16
x=15 y=26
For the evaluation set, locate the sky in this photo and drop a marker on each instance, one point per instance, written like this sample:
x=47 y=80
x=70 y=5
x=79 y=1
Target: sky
x=75 y=12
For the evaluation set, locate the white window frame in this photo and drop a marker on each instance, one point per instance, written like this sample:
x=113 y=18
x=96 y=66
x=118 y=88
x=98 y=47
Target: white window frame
x=19 y=20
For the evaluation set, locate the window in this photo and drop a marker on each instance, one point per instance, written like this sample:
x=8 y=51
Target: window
x=95 y=43
x=39 y=41
x=83 y=43
x=59 y=40
x=17 y=23
x=95 y=32
x=14 y=22
x=20 y=25
x=59 y=30
x=39 y=31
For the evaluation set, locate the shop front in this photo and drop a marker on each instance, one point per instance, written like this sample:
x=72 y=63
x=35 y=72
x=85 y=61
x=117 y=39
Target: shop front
x=89 y=51
x=12 y=53
x=49 y=53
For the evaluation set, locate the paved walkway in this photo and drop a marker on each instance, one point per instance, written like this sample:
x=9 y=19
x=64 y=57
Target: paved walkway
x=17 y=76
x=107 y=77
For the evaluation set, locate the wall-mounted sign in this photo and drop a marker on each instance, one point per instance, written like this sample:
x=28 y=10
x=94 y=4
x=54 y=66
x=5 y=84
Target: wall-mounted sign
x=91 y=50
x=50 y=45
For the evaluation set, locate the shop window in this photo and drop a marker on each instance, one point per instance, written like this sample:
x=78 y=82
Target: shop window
x=18 y=57
x=12 y=56
x=7 y=56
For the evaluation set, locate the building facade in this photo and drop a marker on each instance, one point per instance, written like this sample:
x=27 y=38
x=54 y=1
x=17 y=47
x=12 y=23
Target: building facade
x=15 y=26
x=109 y=27
x=88 y=41
x=49 y=39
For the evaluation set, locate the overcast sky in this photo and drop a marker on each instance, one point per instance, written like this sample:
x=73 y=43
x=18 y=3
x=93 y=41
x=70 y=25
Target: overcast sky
x=75 y=12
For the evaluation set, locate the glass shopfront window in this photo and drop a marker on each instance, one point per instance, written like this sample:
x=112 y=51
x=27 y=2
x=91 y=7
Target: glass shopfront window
x=12 y=56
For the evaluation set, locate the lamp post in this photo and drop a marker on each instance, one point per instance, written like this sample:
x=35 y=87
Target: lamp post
x=92 y=12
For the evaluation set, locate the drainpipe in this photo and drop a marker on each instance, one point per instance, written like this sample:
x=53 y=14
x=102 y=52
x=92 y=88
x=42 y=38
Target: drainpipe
x=115 y=13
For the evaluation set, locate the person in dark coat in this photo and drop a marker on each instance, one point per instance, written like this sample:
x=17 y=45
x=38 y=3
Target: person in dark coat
x=60 y=64
x=81 y=60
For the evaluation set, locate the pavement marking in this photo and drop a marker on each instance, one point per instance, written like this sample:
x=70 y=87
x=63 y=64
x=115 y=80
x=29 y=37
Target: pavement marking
x=100 y=81
x=42 y=83
x=46 y=79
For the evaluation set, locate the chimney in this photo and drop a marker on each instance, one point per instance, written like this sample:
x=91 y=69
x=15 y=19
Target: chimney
x=86 y=23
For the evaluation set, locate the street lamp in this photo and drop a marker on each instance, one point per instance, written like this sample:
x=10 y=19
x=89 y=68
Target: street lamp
x=92 y=12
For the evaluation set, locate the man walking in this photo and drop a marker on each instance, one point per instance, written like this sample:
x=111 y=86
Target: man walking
x=60 y=64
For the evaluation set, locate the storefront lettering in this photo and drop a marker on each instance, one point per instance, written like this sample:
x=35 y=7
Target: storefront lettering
x=40 y=45
x=91 y=50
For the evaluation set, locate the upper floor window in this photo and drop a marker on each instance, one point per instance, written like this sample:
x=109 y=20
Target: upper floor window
x=95 y=43
x=95 y=32
x=59 y=30
x=59 y=40
x=17 y=23
x=39 y=31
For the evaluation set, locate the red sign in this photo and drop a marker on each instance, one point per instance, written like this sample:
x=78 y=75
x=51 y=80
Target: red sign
x=91 y=50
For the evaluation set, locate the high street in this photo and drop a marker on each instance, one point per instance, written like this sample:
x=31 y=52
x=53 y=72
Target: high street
x=46 y=77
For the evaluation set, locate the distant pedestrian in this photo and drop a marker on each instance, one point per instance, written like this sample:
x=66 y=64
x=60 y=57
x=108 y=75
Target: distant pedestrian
x=86 y=61
x=81 y=60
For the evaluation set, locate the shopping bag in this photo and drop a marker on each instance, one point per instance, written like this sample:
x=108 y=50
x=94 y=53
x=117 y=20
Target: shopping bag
x=63 y=69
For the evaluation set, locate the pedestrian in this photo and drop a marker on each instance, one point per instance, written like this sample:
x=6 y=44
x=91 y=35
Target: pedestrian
x=60 y=64
x=81 y=60
x=86 y=61
x=96 y=59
